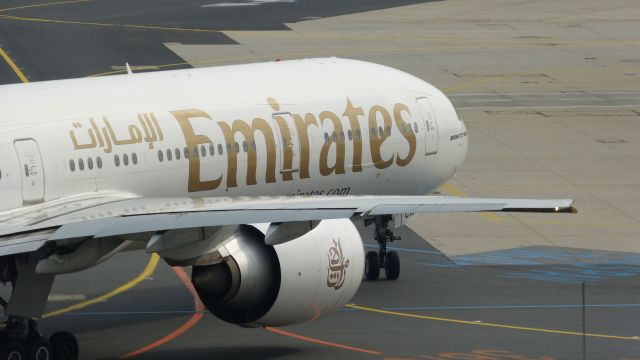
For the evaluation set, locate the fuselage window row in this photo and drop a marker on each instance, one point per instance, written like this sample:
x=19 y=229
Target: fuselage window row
x=125 y=159
x=89 y=164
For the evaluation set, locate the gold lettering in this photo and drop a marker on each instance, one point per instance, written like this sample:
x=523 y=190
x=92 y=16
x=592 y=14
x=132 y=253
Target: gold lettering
x=352 y=114
x=248 y=133
x=376 y=138
x=77 y=146
x=338 y=167
x=135 y=133
x=113 y=134
x=107 y=138
x=183 y=117
x=403 y=126
x=157 y=127
x=97 y=132
x=302 y=127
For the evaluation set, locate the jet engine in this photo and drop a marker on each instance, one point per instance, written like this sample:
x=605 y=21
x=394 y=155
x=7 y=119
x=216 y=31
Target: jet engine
x=297 y=281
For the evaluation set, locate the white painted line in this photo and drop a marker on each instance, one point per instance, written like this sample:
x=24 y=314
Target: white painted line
x=231 y=5
x=66 y=297
x=250 y=3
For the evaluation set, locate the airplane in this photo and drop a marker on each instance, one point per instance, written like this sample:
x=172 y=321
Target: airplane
x=254 y=175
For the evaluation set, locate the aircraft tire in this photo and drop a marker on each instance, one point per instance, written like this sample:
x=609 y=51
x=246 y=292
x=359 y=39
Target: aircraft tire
x=372 y=266
x=392 y=265
x=12 y=350
x=39 y=348
x=64 y=345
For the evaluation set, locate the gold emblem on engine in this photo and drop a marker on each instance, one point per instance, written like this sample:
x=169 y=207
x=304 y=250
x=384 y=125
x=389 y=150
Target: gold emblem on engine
x=337 y=270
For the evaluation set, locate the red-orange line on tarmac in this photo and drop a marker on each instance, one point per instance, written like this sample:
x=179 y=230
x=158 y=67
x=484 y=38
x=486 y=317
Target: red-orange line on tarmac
x=184 y=278
x=321 y=342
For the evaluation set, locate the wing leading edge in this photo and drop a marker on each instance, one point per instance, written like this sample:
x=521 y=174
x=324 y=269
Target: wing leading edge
x=120 y=215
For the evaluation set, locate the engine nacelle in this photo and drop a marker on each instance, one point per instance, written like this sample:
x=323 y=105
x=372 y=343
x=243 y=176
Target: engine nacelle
x=298 y=281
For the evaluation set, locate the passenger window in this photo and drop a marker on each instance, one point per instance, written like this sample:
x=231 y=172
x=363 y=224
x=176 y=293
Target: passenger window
x=177 y=154
x=72 y=165
x=388 y=130
x=186 y=152
x=415 y=127
x=212 y=150
x=253 y=145
x=134 y=158
x=244 y=146
x=358 y=134
x=160 y=155
x=228 y=148
x=90 y=163
x=169 y=154
x=80 y=164
x=350 y=135
x=194 y=151
x=99 y=162
x=203 y=151
x=334 y=137
x=237 y=147
x=220 y=150
x=380 y=132
x=125 y=159
x=326 y=137
x=341 y=135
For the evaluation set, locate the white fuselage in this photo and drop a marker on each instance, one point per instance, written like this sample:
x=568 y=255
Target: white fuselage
x=307 y=127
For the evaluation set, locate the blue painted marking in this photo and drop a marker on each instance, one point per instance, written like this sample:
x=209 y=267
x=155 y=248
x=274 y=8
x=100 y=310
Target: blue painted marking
x=419 y=308
x=561 y=265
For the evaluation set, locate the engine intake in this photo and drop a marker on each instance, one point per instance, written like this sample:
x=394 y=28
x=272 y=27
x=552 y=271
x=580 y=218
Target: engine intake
x=243 y=287
x=294 y=282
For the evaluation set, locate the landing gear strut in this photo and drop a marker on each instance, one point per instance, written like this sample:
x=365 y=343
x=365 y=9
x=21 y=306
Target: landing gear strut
x=19 y=335
x=382 y=259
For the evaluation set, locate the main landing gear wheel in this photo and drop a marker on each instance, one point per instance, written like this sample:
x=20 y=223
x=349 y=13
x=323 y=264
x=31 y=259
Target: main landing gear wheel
x=372 y=265
x=64 y=345
x=389 y=260
x=38 y=348
x=21 y=340
x=392 y=265
x=12 y=350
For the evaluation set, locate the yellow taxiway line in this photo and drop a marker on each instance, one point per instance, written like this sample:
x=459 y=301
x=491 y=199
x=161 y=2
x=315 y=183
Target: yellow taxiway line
x=148 y=270
x=43 y=5
x=13 y=66
x=486 y=324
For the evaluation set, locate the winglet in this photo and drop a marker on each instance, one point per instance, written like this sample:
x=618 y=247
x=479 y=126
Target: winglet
x=128 y=68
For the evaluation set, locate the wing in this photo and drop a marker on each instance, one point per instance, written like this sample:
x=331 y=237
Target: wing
x=102 y=215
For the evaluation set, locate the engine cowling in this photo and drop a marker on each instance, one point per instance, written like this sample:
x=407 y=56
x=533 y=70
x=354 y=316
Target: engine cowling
x=298 y=281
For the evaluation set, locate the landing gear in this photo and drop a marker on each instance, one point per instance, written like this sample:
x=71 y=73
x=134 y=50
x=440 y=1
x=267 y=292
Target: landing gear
x=388 y=260
x=19 y=335
x=372 y=265
x=64 y=345
x=21 y=340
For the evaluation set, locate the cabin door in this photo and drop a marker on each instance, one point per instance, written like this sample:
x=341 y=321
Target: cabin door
x=431 y=125
x=32 y=171
x=289 y=144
